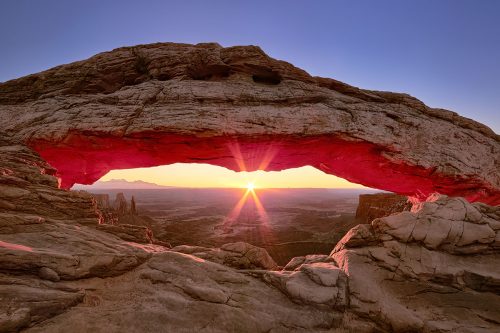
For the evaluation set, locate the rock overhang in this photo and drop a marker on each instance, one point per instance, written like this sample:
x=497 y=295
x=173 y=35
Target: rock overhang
x=236 y=107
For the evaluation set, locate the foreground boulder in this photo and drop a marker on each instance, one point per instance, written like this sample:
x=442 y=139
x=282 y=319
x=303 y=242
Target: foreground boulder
x=239 y=255
x=435 y=269
x=320 y=284
x=236 y=107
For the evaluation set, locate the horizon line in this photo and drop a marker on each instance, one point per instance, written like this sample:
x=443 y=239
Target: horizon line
x=166 y=187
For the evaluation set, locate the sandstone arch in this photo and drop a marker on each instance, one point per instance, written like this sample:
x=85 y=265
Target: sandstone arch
x=236 y=107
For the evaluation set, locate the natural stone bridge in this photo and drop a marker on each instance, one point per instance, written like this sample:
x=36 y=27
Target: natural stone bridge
x=434 y=269
x=236 y=107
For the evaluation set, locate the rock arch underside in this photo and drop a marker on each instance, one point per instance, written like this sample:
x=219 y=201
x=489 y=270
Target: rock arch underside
x=236 y=107
x=435 y=268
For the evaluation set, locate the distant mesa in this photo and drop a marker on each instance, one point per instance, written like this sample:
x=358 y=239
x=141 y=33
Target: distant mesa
x=120 y=184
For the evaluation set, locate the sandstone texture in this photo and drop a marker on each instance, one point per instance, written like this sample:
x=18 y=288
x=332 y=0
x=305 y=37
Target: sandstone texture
x=129 y=232
x=424 y=266
x=236 y=107
x=47 y=236
x=239 y=255
x=435 y=268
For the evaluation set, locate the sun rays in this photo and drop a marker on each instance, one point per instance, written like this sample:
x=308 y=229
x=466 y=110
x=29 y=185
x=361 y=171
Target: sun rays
x=235 y=213
x=261 y=158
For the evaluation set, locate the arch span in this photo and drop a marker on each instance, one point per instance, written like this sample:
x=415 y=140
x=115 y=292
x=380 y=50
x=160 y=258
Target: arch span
x=163 y=103
x=84 y=158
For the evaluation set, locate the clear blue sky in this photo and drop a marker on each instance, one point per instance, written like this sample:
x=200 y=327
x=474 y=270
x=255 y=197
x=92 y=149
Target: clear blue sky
x=446 y=53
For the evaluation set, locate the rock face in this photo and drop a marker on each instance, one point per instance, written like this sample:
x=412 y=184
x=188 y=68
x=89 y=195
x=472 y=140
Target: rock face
x=182 y=293
x=372 y=206
x=119 y=212
x=319 y=284
x=29 y=194
x=236 y=107
x=102 y=201
x=133 y=209
x=444 y=251
x=120 y=205
x=433 y=269
x=238 y=255
x=48 y=235
x=128 y=232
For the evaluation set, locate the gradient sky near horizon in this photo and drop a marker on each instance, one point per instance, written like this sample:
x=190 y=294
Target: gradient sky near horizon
x=446 y=53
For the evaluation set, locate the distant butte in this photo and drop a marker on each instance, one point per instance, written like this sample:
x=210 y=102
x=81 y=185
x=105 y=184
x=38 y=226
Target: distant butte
x=236 y=107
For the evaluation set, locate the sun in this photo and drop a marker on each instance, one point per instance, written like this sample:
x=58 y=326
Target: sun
x=250 y=187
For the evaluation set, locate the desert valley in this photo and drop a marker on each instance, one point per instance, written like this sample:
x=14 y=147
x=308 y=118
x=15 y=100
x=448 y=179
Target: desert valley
x=295 y=222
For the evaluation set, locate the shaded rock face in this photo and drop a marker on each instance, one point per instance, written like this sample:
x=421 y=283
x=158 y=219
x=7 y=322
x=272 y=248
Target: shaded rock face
x=372 y=206
x=119 y=212
x=102 y=201
x=236 y=107
x=120 y=205
x=29 y=193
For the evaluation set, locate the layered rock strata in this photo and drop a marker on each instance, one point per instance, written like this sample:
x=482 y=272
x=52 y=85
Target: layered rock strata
x=236 y=107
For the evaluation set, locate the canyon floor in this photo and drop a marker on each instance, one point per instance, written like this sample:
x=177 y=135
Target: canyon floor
x=294 y=222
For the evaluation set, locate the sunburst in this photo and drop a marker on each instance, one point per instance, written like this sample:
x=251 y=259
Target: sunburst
x=240 y=155
x=250 y=186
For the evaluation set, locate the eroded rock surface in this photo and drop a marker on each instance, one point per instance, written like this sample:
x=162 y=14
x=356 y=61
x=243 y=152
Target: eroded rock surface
x=236 y=107
x=320 y=283
x=176 y=292
x=433 y=269
x=238 y=255
x=129 y=232
x=48 y=236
